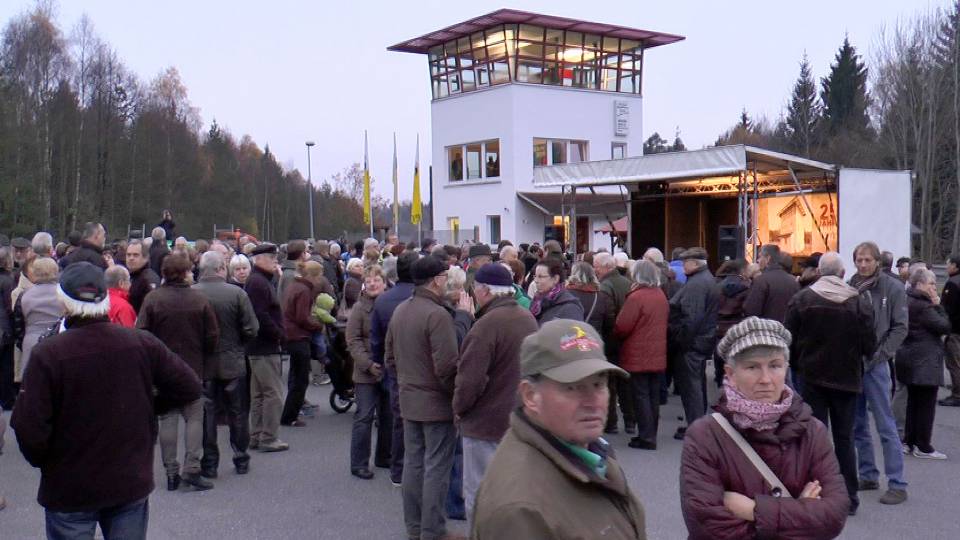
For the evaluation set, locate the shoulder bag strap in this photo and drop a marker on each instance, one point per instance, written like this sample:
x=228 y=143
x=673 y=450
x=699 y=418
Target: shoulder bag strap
x=595 y=297
x=777 y=487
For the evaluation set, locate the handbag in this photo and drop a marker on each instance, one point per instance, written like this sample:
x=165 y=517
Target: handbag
x=777 y=489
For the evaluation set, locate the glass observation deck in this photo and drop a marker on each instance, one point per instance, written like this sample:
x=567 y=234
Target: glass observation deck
x=515 y=46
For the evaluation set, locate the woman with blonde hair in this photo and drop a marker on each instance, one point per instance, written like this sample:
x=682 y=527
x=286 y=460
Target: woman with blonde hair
x=39 y=307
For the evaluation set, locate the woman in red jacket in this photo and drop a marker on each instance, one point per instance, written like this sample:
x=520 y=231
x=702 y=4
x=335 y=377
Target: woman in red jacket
x=723 y=495
x=642 y=328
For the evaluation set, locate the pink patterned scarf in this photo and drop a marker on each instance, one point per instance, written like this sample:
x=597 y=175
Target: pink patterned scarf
x=750 y=414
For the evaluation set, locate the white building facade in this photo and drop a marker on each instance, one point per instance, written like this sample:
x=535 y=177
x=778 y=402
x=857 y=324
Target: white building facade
x=513 y=91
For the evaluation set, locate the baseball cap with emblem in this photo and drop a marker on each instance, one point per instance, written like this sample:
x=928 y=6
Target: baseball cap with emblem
x=565 y=351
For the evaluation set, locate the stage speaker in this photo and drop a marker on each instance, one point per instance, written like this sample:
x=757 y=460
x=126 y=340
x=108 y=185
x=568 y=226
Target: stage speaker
x=728 y=243
x=553 y=232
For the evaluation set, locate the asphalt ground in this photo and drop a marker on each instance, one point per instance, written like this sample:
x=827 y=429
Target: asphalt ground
x=308 y=492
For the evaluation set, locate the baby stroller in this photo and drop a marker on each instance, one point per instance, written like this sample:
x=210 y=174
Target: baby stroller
x=335 y=357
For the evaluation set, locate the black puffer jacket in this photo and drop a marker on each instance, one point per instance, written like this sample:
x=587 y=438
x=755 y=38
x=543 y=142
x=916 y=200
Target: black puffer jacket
x=86 y=252
x=920 y=358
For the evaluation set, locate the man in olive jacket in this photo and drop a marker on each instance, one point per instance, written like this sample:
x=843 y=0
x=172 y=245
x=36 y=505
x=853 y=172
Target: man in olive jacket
x=421 y=346
x=616 y=286
x=553 y=475
x=227 y=383
x=488 y=373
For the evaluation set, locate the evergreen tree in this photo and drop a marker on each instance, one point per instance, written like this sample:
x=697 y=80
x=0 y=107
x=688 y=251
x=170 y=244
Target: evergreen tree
x=745 y=124
x=655 y=144
x=844 y=93
x=803 y=112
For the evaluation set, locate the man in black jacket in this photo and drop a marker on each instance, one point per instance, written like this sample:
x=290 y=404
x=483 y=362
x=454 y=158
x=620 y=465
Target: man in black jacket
x=773 y=289
x=832 y=328
x=142 y=278
x=950 y=300
x=91 y=247
x=96 y=465
x=266 y=384
x=693 y=328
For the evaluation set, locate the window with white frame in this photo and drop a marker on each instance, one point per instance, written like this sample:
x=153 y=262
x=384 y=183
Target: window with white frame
x=618 y=150
x=557 y=151
x=474 y=160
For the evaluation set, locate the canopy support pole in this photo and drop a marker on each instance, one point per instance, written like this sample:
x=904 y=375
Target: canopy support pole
x=573 y=220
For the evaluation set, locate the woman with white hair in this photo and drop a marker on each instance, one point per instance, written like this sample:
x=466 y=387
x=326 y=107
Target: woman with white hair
x=351 y=287
x=239 y=270
x=40 y=307
x=598 y=309
x=761 y=465
x=920 y=362
x=642 y=328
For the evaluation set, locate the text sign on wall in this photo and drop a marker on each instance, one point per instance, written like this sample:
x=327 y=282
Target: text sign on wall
x=621 y=118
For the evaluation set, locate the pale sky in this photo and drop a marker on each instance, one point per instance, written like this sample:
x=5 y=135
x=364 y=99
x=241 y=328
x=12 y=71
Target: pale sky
x=288 y=71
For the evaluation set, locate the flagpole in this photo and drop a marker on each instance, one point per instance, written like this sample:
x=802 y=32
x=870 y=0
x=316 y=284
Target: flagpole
x=396 y=193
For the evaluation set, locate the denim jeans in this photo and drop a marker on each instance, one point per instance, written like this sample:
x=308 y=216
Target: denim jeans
x=876 y=397
x=396 y=443
x=122 y=522
x=372 y=400
x=455 y=506
x=477 y=455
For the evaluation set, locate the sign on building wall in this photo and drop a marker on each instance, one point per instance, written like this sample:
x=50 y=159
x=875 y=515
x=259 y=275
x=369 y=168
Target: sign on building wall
x=621 y=118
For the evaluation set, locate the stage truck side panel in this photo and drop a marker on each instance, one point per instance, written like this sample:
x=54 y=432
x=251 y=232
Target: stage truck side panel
x=874 y=206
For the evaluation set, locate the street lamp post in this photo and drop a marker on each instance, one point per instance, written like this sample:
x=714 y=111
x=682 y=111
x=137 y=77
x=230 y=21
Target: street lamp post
x=310 y=188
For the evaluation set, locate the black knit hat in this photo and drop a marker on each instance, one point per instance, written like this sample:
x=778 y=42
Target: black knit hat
x=83 y=282
x=427 y=268
x=494 y=274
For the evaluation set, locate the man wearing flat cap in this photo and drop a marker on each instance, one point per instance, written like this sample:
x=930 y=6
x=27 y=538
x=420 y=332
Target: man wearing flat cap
x=478 y=256
x=554 y=476
x=693 y=328
x=488 y=373
x=421 y=346
x=266 y=384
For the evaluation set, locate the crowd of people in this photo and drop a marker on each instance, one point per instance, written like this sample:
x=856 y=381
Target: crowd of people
x=491 y=376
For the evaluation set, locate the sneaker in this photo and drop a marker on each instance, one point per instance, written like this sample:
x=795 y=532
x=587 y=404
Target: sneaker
x=275 y=446
x=894 y=496
x=951 y=401
x=254 y=444
x=680 y=434
x=933 y=454
x=322 y=379
x=868 y=485
x=396 y=483
x=907 y=449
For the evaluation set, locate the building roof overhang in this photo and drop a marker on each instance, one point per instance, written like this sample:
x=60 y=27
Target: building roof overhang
x=422 y=44
x=719 y=161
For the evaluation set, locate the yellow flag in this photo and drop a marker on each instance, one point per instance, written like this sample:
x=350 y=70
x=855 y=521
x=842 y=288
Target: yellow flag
x=367 y=217
x=415 y=211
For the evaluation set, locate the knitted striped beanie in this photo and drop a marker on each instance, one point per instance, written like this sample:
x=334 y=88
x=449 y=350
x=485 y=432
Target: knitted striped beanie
x=753 y=332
